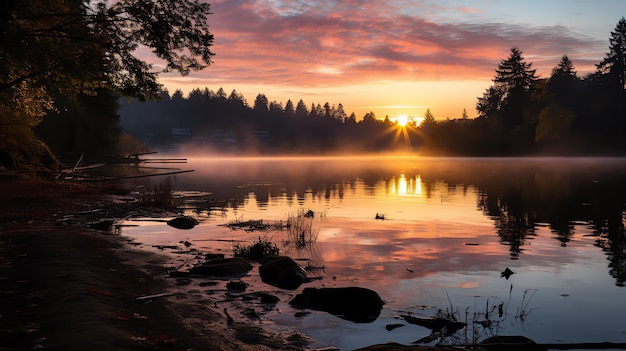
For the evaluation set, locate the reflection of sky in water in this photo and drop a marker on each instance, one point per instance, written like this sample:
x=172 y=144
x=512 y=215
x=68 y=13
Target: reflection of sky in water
x=435 y=241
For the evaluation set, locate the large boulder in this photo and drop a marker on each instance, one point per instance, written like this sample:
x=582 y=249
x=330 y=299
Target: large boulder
x=356 y=304
x=227 y=267
x=282 y=272
x=182 y=222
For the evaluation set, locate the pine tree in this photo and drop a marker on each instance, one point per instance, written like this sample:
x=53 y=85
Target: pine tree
x=509 y=97
x=289 y=109
x=429 y=118
x=261 y=103
x=613 y=67
x=301 y=109
x=514 y=73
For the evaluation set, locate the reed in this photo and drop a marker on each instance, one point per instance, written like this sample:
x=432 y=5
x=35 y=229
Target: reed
x=300 y=229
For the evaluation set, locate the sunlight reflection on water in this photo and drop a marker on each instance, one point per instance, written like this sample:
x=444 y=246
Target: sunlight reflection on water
x=450 y=227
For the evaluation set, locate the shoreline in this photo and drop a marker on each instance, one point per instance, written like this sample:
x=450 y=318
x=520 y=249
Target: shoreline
x=70 y=287
x=68 y=282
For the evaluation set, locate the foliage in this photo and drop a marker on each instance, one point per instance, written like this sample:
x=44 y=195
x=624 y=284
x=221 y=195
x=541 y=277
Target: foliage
x=90 y=125
x=263 y=247
x=614 y=64
x=300 y=229
x=231 y=125
x=54 y=53
x=158 y=195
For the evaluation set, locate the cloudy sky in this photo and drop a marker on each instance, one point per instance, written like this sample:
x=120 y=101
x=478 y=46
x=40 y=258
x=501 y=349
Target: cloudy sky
x=393 y=56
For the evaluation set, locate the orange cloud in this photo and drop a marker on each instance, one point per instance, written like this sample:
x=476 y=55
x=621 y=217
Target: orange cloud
x=304 y=45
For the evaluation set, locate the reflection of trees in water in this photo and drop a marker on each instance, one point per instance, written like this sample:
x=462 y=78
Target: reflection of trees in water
x=513 y=223
x=518 y=196
x=514 y=231
x=519 y=206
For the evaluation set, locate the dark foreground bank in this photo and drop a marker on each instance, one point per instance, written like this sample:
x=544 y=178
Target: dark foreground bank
x=66 y=284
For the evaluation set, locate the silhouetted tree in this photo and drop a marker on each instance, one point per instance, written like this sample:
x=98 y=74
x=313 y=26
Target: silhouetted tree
x=261 y=104
x=429 y=118
x=488 y=106
x=55 y=51
x=289 y=109
x=220 y=94
x=237 y=99
x=276 y=108
x=613 y=67
x=559 y=99
x=340 y=113
x=301 y=109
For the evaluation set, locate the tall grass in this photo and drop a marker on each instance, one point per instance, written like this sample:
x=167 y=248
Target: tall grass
x=158 y=195
x=300 y=230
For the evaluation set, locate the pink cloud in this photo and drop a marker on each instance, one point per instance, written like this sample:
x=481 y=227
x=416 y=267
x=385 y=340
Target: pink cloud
x=343 y=42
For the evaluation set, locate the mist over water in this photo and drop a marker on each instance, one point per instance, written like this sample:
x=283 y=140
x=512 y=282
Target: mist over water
x=451 y=226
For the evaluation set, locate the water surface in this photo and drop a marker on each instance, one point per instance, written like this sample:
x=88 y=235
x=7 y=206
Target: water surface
x=450 y=227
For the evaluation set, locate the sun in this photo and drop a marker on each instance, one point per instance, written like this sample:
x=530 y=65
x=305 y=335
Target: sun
x=403 y=120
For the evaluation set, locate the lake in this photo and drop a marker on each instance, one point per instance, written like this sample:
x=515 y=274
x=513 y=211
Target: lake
x=446 y=229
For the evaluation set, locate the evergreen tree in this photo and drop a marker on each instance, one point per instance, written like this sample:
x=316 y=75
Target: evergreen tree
x=490 y=103
x=221 y=94
x=289 y=109
x=429 y=118
x=515 y=74
x=341 y=113
x=509 y=99
x=351 y=120
x=261 y=104
x=276 y=108
x=237 y=99
x=301 y=109
x=613 y=67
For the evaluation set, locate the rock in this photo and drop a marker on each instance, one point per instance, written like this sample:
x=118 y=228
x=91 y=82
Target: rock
x=391 y=327
x=227 y=267
x=236 y=285
x=282 y=272
x=269 y=298
x=507 y=273
x=510 y=343
x=356 y=304
x=182 y=222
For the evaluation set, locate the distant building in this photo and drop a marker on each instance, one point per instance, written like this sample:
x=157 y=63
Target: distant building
x=181 y=134
x=223 y=138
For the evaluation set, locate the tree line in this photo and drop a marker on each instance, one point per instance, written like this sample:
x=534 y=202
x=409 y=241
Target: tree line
x=65 y=64
x=520 y=114
x=564 y=114
x=228 y=123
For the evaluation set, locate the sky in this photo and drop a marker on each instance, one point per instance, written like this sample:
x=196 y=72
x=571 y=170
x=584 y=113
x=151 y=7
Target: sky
x=393 y=57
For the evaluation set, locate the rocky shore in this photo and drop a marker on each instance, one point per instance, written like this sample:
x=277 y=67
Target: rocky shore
x=67 y=284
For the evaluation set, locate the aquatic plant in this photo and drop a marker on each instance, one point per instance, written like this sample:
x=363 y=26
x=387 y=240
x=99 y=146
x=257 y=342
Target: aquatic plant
x=479 y=324
x=300 y=229
x=160 y=196
x=263 y=247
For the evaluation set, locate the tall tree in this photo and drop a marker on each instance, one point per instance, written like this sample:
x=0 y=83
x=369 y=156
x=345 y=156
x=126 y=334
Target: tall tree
x=289 y=109
x=429 y=118
x=53 y=51
x=301 y=109
x=509 y=97
x=613 y=67
x=341 y=113
x=261 y=103
x=514 y=73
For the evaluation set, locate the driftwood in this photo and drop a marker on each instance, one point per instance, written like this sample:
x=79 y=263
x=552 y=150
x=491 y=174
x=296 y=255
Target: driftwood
x=137 y=176
x=155 y=296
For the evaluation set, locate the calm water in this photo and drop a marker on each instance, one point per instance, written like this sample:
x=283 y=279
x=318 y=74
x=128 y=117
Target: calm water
x=451 y=226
